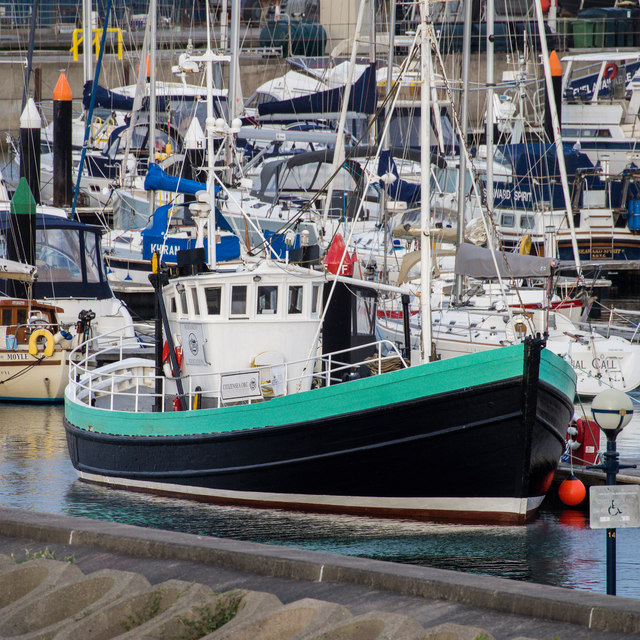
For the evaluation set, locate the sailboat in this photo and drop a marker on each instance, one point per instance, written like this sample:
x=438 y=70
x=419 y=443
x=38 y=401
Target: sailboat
x=255 y=409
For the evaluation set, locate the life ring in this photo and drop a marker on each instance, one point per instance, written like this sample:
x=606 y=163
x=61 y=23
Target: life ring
x=33 y=342
x=166 y=361
x=518 y=328
x=525 y=245
x=575 y=434
x=610 y=71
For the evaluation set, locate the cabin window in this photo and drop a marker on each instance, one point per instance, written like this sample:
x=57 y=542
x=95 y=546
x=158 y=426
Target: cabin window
x=315 y=299
x=93 y=258
x=267 y=300
x=365 y=316
x=239 y=300
x=6 y=317
x=183 y=301
x=172 y=305
x=295 y=299
x=507 y=220
x=213 y=296
x=527 y=222
x=194 y=297
x=22 y=316
x=58 y=256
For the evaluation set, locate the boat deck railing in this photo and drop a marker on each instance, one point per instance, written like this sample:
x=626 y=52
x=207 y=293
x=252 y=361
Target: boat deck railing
x=131 y=383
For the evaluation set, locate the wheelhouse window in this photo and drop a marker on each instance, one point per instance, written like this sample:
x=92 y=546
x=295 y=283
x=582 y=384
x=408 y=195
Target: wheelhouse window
x=183 y=301
x=267 y=300
x=527 y=222
x=172 y=305
x=365 y=316
x=315 y=299
x=507 y=220
x=194 y=298
x=213 y=295
x=239 y=300
x=295 y=299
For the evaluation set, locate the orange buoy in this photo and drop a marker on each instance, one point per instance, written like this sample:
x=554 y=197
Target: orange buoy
x=572 y=491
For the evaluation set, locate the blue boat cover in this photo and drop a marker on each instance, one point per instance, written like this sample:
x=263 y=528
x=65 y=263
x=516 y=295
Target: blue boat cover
x=116 y=101
x=157 y=180
x=362 y=99
x=105 y=98
x=155 y=239
x=399 y=189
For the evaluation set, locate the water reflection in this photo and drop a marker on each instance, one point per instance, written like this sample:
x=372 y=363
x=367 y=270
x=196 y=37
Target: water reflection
x=557 y=549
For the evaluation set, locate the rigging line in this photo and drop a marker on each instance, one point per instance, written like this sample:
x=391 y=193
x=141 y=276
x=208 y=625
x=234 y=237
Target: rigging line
x=23 y=371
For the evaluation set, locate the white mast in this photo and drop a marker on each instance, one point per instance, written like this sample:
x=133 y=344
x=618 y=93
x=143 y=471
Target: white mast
x=152 y=96
x=338 y=154
x=425 y=183
x=464 y=116
x=489 y=109
x=87 y=39
x=210 y=126
x=557 y=137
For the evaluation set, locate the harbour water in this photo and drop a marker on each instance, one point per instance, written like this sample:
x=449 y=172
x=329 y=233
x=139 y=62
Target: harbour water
x=558 y=548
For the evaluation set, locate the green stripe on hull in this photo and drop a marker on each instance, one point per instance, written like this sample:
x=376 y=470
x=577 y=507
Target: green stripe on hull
x=444 y=376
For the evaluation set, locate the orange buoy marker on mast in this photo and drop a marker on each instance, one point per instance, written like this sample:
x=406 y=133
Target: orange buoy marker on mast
x=62 y=143
x=572 y=491
x=553 y=93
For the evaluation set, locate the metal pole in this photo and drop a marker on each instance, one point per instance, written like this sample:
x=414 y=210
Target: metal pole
x=611 y=467
x=425 y=184
x=464 y=116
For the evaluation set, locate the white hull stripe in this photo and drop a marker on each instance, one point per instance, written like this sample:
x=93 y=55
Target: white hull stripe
x=508 y=506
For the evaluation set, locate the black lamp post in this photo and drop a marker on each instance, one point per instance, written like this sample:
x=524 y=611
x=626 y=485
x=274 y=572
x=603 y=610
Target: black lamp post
x=612 y=410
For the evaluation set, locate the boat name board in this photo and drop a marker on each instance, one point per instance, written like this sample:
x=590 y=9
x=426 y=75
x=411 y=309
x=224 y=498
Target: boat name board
x=240 y=386
x=614 y=507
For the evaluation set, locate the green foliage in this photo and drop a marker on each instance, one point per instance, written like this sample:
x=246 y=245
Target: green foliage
x=29 y=555
x=145 y=614
x=208 y=621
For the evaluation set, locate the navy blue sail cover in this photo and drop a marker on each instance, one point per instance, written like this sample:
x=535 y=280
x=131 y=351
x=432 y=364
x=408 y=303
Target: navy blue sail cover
x=362 y=99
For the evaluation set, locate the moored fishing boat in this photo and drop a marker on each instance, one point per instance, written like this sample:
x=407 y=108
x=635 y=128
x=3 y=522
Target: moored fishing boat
x=471 y=438
x=255 y=415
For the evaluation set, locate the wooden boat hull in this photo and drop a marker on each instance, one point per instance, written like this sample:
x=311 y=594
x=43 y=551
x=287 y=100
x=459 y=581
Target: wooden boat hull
x=27 y=378
x=403 y=444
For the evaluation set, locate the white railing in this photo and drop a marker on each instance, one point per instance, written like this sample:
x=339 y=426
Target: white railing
x=133 y=384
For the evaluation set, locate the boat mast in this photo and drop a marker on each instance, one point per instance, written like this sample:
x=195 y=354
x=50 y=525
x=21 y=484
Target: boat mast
x=425 y=183
x=489 y=110
x=210 y=126
x=384 y=198
x=464 y=116
x=338 y=155
x=557 y=137
x=152 y=97
x=87 y=32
